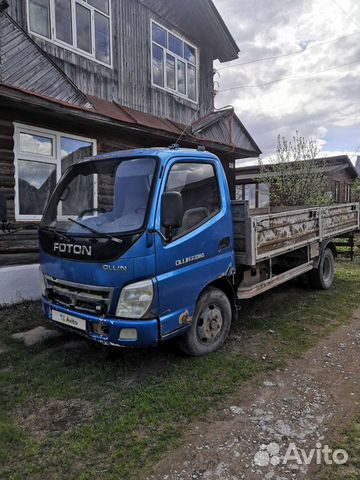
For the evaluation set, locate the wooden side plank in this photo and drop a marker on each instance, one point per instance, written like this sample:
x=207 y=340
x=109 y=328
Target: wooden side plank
x=278 y=233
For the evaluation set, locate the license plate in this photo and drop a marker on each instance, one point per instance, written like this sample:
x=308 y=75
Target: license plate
x=69 y=320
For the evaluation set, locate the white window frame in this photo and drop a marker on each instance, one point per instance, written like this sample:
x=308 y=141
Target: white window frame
x=66 y=46
x=55 y=159
x=177 y=57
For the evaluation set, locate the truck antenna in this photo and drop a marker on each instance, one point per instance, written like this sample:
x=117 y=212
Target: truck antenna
x=188 y=124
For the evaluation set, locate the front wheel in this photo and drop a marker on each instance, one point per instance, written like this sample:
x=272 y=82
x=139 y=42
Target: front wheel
x=322 y=277
x=210 y=326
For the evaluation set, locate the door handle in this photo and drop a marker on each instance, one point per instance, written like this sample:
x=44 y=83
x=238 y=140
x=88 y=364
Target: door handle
x=224 y=243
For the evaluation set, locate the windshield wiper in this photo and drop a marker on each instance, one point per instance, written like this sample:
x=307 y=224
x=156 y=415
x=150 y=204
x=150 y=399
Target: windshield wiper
x=57 y=233
x=92 y=230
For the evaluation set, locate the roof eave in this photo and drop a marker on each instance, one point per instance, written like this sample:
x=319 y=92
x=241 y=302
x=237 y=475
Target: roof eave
x=19 y=97
x=232 y=53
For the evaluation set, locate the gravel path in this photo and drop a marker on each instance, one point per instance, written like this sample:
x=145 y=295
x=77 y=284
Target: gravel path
x=306 y=403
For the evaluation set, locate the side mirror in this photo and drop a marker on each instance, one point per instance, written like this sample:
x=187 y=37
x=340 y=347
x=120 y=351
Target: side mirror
x=3 y=209
x=172 y=210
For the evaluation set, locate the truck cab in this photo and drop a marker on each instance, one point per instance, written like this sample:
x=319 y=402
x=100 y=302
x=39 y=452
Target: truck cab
x=132 y=242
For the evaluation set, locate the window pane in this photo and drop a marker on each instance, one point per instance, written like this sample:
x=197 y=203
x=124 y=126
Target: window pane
x=191 y=71
x=250 y=194
x=79 y=197
x=199 y=189
x=63 y=20
x=73 y=150
x=102 y=38
x=39 y=13
x=181 y=80
x=189 y=53
x=349 y=193
x=159 y=35
x=36 y=181
x=176 y=45
x=239 y=192
x=170 y=72
x=122 y=196
x=83 y=28
x=36 y=144
x=264 y=195
x=158 y=66
x=102 y=5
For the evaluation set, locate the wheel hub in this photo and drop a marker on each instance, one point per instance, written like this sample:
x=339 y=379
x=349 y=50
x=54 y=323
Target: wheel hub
x=210 y=324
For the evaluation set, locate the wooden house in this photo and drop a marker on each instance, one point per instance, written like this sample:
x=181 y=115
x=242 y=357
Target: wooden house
x=340 y=174
x=80 y=77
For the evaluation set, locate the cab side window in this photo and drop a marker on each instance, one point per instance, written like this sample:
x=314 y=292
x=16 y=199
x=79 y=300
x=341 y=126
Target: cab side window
x=199 y=188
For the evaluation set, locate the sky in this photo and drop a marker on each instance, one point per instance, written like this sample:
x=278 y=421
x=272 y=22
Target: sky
x=326 y=105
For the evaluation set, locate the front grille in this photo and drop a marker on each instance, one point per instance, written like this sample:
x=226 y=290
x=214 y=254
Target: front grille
x=78 y=296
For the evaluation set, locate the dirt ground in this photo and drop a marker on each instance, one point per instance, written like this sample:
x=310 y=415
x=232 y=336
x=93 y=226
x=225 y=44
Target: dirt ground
x=306 y=403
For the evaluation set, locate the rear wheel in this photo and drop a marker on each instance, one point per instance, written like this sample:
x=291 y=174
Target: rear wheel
x=322 y=277
x=210 y=326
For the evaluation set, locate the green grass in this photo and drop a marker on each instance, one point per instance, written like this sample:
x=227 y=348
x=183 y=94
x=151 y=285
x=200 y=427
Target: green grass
x=141 y=401
x=349 y=440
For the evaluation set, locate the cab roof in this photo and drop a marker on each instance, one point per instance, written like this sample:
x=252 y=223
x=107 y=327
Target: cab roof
x=164 y=153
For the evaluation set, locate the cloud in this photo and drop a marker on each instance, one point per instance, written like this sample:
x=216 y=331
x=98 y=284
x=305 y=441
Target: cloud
x=323 y=105
x=36 y=144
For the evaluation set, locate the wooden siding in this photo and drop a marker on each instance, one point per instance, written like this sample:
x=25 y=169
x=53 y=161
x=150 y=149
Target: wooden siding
x=36 y=74
x=20 y=247
x=129 y=81
x=7 y=169
x=227 y=130
x=344 y=178
x=239 y=138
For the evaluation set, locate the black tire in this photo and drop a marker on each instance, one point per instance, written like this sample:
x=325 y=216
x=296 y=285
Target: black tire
x=210 y=326
x=322 y=278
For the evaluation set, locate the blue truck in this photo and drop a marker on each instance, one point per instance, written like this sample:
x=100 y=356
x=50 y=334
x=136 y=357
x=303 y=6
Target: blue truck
x=140 y=246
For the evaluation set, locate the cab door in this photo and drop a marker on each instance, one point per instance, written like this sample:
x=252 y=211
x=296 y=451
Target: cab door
x=201 y=249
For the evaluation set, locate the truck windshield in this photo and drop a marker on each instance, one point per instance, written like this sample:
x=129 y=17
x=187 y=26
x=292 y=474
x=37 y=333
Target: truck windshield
x=109 y=196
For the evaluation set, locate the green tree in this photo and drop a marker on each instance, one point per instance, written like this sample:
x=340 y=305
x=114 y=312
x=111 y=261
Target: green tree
x=355 y=190
x=294 y=178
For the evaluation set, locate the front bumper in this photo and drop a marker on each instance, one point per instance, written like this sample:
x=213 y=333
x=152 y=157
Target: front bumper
x=147 y=331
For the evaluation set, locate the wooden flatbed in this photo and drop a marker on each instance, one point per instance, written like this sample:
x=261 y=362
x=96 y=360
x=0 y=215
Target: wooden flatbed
x=290 y=239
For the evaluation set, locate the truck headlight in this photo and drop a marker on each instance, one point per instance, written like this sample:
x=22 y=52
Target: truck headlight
x=135 y=299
